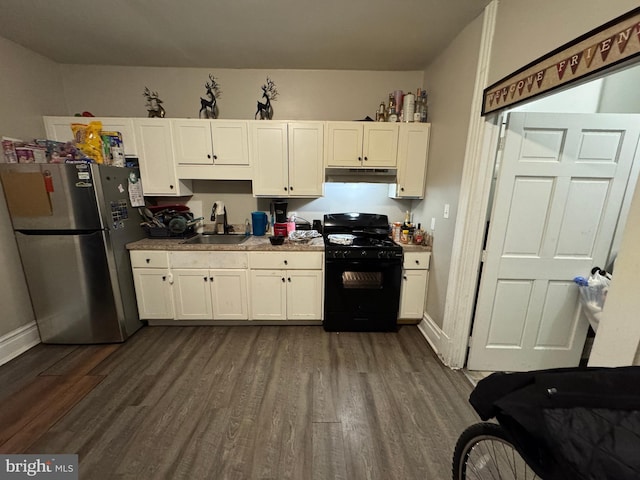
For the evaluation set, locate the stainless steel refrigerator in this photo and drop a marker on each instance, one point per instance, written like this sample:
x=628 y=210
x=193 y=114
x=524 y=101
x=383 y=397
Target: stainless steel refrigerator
x=71 y=223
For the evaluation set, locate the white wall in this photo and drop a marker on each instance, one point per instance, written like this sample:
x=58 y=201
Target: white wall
x=625 y=82
x=581 y=99
x=31 y=87
x=527 y=30
x=449 y=81
x=303 y=94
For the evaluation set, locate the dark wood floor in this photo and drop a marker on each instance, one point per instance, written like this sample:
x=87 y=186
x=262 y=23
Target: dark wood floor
x=239 y=403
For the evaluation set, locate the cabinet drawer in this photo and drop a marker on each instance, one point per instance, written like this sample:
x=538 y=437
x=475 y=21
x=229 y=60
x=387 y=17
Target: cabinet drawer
x=149 y=259
x=416 y=260
x=290 y=260
x=221 y=259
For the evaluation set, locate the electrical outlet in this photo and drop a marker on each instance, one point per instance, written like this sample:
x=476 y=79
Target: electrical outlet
x=433 y=223
x=446 y=210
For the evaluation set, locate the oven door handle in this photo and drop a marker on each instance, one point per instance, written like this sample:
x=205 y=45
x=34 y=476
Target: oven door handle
x=374 y=262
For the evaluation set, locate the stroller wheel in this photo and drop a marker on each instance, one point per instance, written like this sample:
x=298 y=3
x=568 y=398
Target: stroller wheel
x=483 y=451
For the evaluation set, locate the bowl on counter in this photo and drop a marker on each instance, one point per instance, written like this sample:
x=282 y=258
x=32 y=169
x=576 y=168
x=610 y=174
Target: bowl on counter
x=277 y=239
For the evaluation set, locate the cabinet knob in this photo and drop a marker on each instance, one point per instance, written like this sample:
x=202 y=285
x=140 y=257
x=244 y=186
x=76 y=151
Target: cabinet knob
x=147 y=260
x=286 y=263
x=285 y=189
x=359 y=159
x=171 y=187
x=164 y=278
x=211 y=279
x=205 y=279
x=402 y=189
x=215 y=157
x=289 y=279
x=291 y=189
x=208 y=156
x=404 y=276
x=365 y=159
x=417 y=262
x=282 y=279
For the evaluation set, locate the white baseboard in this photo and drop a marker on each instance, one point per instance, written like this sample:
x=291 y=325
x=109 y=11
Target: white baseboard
x=434 y=335
x=18 y=341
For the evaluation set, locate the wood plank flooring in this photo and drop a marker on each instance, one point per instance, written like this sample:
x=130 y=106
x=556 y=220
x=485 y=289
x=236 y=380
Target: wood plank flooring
x=271 y=402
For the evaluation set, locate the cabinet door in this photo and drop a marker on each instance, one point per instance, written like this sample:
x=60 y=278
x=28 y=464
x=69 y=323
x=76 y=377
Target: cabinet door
x=304 y=294
x=306 y=162
x=413 y=293
x=155 y=145
x=344 y=144
x=192 y=294
x=59 y=129
x=192 y=139
x=230 y=143
x=269 y=158
x=380 y=145
x=153 y=293
x=268 y=295
x=229 y=294
x=413 y=148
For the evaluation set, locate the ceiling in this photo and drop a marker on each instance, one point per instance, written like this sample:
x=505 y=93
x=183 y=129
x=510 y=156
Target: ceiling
x=396 y=35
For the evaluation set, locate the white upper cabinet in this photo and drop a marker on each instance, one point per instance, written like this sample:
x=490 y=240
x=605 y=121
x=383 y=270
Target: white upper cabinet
x=211 y=149
x=157 y=167
x=59 y=129
x=362 y=144
x=413 y=154
x=287 y=158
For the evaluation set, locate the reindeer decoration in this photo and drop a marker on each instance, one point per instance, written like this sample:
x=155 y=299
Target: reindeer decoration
x=269 y=92
x=154 y=104
x=209 y=108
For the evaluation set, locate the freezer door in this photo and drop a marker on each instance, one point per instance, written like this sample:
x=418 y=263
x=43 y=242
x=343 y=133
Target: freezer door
x=71 y=288
x=51 y=196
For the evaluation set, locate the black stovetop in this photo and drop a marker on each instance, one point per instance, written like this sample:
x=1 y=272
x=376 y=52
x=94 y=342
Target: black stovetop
x=371 y=237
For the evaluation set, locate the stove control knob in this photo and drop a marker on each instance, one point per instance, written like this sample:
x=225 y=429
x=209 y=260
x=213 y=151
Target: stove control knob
x=363 y=253
x=382 y=254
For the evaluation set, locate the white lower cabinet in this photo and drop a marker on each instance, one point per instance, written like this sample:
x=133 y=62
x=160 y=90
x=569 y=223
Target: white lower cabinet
x=286 y=286
x=415 y=280
x=218 y=292
x=201 y=294
x=152 y=282
x=228 y=285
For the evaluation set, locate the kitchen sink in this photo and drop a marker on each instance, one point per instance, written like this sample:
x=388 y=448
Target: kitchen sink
x=217 y=239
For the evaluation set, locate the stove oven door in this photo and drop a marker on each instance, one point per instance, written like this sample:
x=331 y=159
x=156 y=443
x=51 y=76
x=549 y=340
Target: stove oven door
x=362 y=295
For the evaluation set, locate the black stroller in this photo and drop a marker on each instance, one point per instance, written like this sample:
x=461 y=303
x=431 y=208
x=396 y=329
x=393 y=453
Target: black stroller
x=572 y=423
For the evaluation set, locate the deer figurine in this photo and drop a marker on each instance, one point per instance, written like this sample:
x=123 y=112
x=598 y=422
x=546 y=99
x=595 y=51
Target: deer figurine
x=209 y=108
x=269 y=92
x=154 y=104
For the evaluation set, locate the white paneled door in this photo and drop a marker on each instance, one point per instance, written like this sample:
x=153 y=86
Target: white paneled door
x=560 y=187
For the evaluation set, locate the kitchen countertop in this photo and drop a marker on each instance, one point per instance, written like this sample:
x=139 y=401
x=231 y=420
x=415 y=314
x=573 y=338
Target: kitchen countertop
x=252 y=244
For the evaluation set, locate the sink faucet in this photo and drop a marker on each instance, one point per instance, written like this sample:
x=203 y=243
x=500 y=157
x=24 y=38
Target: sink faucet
x=219 y=217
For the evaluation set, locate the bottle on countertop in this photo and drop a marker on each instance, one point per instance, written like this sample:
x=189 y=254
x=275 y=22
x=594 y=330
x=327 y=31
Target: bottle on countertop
x=418 y=236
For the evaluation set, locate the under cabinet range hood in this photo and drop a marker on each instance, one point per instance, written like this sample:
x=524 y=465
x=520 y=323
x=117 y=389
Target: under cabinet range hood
x=365 y=175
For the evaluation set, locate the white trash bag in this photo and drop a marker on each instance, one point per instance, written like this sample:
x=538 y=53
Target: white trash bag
x=593 y=293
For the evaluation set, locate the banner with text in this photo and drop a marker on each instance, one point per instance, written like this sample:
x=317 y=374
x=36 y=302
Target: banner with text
x=611 y=44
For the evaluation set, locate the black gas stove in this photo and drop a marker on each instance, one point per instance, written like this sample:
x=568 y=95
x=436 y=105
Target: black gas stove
x=363 y=269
